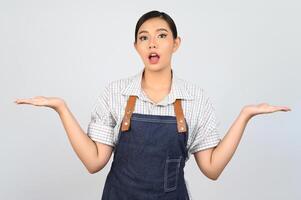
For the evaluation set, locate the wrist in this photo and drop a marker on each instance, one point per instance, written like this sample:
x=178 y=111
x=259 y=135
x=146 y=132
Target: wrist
x=61 y=107
x=245 y=114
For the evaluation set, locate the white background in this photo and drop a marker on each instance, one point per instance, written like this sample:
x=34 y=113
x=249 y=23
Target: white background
x=240 y=52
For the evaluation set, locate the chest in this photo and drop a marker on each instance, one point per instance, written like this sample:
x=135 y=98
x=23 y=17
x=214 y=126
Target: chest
x=155 y=96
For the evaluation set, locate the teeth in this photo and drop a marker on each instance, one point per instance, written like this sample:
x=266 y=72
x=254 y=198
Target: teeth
x=153 y=54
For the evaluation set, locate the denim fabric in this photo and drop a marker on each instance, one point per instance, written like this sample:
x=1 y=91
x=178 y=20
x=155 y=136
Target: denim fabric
x=148 y=161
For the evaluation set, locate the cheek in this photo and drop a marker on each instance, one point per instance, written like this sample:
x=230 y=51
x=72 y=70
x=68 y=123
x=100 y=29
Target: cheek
x=141 y=51
x=168 y=50
x=167 y=46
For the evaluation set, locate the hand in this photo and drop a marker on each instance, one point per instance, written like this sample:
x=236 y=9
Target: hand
x=263 y=108
x=52 y=102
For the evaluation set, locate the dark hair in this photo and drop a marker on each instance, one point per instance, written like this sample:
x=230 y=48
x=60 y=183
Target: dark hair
x=153 y=14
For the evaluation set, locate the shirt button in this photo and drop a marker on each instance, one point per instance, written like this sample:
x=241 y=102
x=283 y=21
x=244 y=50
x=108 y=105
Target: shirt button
x=126 y=123
x=152 y=107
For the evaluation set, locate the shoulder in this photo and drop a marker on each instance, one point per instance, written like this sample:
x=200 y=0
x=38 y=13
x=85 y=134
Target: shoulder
x=201 y=98
x=116 y=86
x=110 y=95
x=194 y=89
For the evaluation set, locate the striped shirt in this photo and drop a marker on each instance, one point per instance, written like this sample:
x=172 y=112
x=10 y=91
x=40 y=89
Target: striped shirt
x=199 y=112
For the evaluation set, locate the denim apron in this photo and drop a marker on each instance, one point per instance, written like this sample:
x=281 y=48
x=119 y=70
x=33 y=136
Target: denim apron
x=149 y=157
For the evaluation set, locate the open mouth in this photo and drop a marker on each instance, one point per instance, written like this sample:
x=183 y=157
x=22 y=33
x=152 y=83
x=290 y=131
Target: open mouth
x=153 y=58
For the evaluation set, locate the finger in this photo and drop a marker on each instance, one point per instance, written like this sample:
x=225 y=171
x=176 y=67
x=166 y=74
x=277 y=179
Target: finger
x=23 y=101
x=286 y=109
x=282 y=108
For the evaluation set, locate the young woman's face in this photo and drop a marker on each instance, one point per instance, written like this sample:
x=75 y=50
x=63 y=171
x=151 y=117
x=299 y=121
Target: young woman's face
x=155 y=44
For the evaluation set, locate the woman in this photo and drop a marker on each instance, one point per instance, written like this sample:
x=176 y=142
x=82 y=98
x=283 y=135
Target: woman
x=152 y=121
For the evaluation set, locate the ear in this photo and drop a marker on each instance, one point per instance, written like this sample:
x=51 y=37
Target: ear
x=177 y=43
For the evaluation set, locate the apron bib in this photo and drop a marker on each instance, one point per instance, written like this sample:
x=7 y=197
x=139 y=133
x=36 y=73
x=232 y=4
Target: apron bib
x=149 y=157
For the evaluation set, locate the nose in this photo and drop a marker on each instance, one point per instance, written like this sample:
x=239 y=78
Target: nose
x=152 y=44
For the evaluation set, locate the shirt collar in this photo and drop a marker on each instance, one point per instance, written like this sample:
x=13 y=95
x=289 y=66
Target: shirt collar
x=178 y=90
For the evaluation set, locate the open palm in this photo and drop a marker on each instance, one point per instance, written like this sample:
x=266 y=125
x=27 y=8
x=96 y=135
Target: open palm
x=264 y=108
x=52 y=102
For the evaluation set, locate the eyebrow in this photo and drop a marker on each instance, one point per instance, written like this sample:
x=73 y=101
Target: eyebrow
x=159 y=29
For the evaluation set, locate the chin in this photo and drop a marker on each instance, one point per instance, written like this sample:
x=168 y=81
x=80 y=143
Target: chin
x=154 y=68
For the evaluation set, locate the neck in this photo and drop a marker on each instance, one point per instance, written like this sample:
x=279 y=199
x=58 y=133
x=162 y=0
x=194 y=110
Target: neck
x=157 y=80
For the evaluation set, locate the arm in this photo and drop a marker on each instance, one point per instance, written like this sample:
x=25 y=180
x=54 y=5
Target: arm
x=94 y=155
x=212 y=161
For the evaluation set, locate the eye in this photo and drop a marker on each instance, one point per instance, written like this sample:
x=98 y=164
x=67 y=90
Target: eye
x=142 y=38
x=163 y=35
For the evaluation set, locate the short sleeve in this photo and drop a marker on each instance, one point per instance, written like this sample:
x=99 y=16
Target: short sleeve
x=101 y=126
x=207 y=134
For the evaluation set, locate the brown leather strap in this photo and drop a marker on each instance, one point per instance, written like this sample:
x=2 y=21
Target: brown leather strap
x=180 y=116
x=181 y=125
x=128 y=113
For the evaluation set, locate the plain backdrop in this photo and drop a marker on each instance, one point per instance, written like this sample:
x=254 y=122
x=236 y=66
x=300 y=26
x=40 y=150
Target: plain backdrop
x=240 y=52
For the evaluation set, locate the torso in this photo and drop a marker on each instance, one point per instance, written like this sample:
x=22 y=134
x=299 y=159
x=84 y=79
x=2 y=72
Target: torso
x=156 y=96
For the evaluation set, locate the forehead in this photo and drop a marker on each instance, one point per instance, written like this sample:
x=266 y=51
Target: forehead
x=153 y=24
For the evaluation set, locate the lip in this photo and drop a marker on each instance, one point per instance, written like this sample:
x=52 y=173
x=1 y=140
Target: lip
x=149 y=60
x=153 y=52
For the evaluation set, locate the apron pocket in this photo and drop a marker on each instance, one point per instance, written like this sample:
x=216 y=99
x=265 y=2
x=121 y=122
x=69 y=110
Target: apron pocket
x=171 y=173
